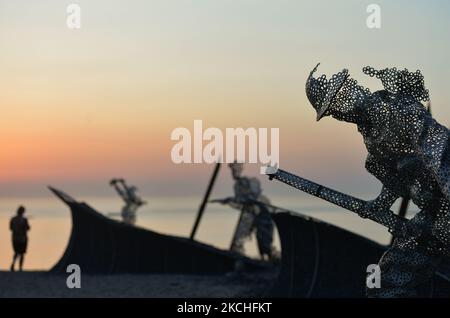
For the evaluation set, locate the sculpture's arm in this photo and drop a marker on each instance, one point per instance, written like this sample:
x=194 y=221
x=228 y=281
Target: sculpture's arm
x=231 y=201
x=120 y=192
x=384 y=200
x=234 y=204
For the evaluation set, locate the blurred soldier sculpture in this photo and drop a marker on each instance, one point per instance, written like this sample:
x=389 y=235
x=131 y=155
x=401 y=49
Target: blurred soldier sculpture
x=132 y=200
x=409 y=153
x=254 y=214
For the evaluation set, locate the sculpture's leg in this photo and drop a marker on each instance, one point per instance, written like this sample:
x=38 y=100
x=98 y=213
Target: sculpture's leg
x=243 y=230
x=406 y=271
x=264 y=232
x=441 y=225
x=407 y=268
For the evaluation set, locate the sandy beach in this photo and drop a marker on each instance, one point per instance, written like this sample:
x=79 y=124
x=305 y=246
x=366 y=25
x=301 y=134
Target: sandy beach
x=40 y=284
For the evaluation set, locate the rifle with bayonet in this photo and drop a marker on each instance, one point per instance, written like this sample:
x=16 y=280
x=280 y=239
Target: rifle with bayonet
x=397 y=225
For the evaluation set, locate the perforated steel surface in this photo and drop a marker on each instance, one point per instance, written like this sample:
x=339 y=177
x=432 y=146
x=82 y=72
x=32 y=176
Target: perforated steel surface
x=408 y=152
x=254 y=216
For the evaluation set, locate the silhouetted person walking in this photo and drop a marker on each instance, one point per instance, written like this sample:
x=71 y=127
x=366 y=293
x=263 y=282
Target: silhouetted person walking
x=19 y=227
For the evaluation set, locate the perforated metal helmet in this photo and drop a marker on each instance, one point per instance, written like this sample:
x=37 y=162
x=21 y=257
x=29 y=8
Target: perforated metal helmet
x=321 y=92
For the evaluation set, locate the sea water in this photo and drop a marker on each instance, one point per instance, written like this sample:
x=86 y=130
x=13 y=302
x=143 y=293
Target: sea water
x=51 y=223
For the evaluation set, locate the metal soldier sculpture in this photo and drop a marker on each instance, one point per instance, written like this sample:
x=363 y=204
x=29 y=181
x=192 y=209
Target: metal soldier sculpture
x=254 y=217
x=409 y=153
x=131 y=199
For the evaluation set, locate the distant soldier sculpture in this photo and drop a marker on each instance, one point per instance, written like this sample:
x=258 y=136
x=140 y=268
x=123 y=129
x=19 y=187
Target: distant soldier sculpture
x=132 y=200
x=408 y=151
x=254 y=217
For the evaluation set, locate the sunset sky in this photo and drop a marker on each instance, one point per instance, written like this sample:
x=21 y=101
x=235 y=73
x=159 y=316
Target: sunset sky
x=82 y=106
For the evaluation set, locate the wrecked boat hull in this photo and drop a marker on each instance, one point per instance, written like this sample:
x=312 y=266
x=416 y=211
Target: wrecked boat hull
x=320 y=260
x=100 y=245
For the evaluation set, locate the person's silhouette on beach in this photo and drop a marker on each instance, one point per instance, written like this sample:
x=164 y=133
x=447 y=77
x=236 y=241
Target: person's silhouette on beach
x=19 y=227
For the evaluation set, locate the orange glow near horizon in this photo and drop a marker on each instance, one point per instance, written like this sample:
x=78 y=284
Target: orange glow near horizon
x=103 y=100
